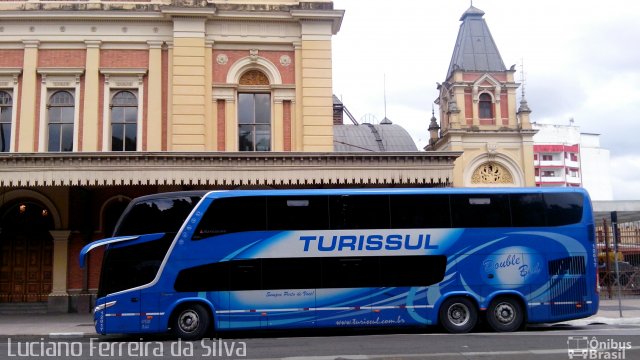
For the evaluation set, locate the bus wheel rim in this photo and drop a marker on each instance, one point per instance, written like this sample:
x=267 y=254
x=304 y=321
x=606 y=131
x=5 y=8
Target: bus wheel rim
x=458 y=314
x=188 y=321
x=504 y=313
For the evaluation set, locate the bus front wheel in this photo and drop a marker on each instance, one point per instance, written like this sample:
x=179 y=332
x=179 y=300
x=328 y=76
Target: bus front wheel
x=191 y=322
x=458 y=315
x=505 y=314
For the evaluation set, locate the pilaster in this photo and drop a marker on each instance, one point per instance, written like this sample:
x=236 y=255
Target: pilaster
x=27 y=125
x=154 y=96
x=317 y=93
x=91 y=94
x=278 y=125
x=211 y=127
x=188 y=129
x=297 y=122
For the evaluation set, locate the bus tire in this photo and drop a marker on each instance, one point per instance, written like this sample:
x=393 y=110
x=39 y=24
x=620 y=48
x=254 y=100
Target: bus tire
x=505 y=314
x=458 y=315
x=191 y=322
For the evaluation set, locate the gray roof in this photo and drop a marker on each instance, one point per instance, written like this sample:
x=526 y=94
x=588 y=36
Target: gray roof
x=369 y=137
x=475 y=49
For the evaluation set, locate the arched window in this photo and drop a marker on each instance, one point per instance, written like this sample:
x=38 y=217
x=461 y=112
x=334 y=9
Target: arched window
x=124 y=121
x=254 y=113
x=6 y=104
x=485 y=106
x=61 y=114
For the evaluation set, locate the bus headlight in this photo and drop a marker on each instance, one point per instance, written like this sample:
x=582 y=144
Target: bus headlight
x=104 y=306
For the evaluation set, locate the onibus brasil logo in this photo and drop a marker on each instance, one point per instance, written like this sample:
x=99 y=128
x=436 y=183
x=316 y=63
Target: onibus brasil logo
x=584 y=348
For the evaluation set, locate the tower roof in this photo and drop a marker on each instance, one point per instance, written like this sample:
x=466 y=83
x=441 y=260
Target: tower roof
x=475 y=49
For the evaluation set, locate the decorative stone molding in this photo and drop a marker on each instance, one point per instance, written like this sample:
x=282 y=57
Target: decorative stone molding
x=491 y=173
x=60 y=77
x=9 y=76
x=253 y=55
x=242 y=65
x=285 y=60
x=506 y=171
x=227 y=169
x=222 y=59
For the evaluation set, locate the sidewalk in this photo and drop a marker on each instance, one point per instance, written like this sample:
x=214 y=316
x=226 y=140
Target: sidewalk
x=80 y=325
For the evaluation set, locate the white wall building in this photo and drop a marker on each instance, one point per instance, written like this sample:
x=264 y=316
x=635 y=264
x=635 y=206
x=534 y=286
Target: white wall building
x=563 y=156
x=596 y=176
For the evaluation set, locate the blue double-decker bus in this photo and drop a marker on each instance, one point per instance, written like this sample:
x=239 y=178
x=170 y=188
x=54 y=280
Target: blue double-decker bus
x=196 y=262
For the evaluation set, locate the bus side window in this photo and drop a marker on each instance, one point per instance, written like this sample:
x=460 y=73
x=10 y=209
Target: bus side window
x=208 y=277
x=245 y=275
x=359 y=212
x=486 y=210
x=564 y=208
x=527 y=210
x=291 y=273
x=233 y=214
x=298 y=213
x=420 y=211
x=350 y=272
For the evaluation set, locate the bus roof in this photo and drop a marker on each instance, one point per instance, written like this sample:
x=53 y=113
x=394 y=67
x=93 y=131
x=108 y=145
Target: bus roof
x=399 y=191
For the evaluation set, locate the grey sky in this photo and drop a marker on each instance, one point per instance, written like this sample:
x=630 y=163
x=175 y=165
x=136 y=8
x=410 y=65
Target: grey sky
x=581 y=61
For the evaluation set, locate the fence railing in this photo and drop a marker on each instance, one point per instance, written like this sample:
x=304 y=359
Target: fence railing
x=626 y=250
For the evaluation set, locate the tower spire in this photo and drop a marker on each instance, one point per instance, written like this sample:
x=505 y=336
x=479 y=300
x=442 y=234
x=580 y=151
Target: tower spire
x=386 y=120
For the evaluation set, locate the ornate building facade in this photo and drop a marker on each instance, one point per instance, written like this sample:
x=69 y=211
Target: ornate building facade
x=478 y=113
x=104 y=101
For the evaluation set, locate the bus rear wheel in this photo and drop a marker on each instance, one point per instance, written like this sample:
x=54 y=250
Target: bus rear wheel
x=191 y=322
x=458 y=315
x=505 y=314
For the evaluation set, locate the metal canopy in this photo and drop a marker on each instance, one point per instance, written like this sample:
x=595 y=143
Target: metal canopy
x=628 y=211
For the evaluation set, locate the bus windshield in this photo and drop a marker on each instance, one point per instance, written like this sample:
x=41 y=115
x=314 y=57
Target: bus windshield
x=129 y=266
x=156 y=215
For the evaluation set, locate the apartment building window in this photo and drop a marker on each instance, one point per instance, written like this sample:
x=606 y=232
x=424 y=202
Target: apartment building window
x=61 y=110
x=124 y=121
x=6 y=110
x=574 y=157
x=548 y=173
x=547 y=157
x=485 y=107
x=254 y=121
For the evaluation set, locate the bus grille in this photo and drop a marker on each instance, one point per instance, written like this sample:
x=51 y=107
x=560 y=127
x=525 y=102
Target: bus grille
x=568 y=286
x=572 y=265
x=568 y=295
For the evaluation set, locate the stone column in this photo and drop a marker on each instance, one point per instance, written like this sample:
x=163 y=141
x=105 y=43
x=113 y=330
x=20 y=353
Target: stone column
x=59 y=299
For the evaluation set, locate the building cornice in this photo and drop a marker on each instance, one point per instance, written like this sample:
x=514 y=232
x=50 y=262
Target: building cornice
x=227 y=169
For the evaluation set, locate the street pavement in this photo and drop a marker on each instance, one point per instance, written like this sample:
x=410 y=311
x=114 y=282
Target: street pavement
x=81 y=325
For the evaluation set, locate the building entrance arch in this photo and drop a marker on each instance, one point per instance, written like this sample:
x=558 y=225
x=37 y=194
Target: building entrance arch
x=26 y=251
